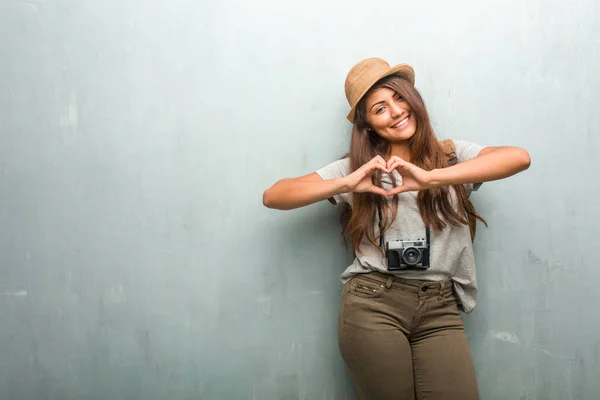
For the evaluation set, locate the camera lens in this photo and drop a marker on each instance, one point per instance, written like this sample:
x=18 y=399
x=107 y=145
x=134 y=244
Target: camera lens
x=411 y=256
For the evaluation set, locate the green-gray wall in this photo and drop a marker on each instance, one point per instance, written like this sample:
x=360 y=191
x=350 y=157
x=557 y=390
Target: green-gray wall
x=136 y=138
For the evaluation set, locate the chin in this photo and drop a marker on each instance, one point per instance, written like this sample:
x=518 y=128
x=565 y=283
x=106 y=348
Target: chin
x=406 y=134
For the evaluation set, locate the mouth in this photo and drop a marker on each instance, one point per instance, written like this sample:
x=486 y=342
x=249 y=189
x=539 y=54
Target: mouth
x=402 y=123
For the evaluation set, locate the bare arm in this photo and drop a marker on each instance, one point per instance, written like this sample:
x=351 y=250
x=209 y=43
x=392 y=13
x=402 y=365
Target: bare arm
x=491 y=163
x=291 y=193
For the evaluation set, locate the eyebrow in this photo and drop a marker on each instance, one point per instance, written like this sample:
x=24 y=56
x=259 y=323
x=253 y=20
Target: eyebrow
x=379 y=102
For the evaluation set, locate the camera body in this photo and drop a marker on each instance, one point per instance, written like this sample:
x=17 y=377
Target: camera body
x=407 y=254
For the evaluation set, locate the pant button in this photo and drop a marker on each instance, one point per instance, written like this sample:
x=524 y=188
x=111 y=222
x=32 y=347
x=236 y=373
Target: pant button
x=424 y=289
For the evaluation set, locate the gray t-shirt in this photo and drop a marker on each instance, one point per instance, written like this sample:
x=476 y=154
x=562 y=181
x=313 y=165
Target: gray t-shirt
x=451 y=250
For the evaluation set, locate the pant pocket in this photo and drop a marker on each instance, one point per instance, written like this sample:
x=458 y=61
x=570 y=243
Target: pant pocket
x=364 y=287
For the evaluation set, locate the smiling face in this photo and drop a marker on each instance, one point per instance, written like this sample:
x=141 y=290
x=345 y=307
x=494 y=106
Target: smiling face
x=389 y=115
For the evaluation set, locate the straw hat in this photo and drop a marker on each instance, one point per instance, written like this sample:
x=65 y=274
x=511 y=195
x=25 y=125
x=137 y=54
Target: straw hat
x=366 y=73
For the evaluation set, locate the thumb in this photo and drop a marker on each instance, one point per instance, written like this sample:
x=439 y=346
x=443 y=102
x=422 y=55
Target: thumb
x=397 y=190
x=378 y=190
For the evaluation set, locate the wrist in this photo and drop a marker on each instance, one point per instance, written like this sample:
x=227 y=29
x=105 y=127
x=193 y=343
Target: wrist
x=435 y=178
x=342 y=185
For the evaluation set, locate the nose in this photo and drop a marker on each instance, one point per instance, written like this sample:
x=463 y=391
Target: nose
x=396 y=110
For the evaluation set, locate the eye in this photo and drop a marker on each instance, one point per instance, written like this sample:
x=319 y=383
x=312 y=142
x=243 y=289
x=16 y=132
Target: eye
x=379 y=110
x=399 y=98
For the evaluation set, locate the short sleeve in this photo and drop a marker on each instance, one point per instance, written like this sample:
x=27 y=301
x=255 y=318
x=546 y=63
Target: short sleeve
x=337 y=169
x=465 y=151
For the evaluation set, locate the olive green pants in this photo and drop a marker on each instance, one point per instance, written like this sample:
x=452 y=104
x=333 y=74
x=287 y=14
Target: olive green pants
x=404 y=339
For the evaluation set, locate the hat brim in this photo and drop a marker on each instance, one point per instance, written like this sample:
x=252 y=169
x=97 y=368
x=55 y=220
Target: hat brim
x=405 y=71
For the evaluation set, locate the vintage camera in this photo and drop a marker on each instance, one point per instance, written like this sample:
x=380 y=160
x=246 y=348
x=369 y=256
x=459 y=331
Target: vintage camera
x=407 y=254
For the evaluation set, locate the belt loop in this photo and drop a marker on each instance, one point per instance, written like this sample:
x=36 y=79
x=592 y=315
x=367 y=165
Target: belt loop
x=441 y=286
x=389 y=282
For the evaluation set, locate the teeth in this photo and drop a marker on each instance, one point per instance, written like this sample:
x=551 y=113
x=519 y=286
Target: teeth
x=401 y=123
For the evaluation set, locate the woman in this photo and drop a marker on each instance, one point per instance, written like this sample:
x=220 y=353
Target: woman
x=400 y=332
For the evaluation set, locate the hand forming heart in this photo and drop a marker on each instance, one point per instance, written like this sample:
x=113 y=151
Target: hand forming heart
x=413 y=177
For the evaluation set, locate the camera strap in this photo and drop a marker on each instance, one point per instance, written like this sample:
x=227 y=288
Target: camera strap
x=380 y=214
x=381 y=240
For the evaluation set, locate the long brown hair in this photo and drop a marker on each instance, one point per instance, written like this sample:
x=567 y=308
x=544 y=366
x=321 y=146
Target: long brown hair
x=435 y=205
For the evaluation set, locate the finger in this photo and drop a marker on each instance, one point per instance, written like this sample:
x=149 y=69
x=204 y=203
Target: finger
x=399 y=164
x=381 y=162
x=375 y=166
x=373 y=161
x=405 y=188
x=392 y=159
x=403 y=167
x=390 y=162
x=397 y=190
x=392 y=165
x=378 y=190
x=379 y=159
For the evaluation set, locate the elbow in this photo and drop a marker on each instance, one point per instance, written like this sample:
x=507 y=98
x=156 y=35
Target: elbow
x=275 y=202
x=524 y=159
x=270 y=200
x=267 y=202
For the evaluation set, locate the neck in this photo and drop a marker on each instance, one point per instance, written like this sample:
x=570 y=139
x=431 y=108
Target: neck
x=399 y=149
